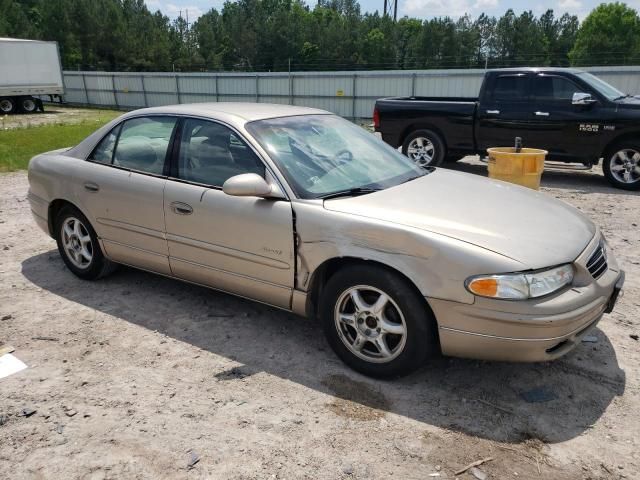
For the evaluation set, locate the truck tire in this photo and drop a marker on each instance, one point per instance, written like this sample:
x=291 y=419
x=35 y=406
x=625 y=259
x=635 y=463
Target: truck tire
x=425 y=148
x=28 y=104
x=376 y=321
x=621 y=165
x=7 y=105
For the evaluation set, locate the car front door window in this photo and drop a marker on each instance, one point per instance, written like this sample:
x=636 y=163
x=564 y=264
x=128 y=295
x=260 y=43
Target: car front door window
x=211 y=153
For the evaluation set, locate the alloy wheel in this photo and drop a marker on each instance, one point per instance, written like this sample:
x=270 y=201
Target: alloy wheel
x=421 y=151
x=625 y=166
x=370 y=324
x=76 y=241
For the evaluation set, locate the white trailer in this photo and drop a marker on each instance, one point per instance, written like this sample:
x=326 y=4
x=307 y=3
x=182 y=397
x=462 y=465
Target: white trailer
x=30 y=68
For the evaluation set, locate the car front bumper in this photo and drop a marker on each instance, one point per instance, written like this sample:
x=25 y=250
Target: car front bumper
x=528 y=331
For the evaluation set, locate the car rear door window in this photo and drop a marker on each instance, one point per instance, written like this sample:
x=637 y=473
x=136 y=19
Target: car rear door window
x=143 y=143
x=211 y=153
x=103 y=153
x=550 y=88
x=511 y=88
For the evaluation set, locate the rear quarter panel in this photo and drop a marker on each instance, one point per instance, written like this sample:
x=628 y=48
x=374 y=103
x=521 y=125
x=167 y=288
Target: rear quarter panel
x=452 y=118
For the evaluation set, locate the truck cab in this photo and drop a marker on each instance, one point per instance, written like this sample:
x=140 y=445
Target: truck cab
x=574 y=115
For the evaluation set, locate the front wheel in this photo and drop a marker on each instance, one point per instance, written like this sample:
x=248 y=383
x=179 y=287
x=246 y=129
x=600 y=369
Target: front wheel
x=425 y=148
x=78 y=245
x=376 y=322
x=621 y=166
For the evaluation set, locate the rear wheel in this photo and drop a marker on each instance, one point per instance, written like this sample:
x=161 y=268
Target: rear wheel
x=28 y=104
x=376 y=322
x=621 y=166
x=7 y=105
x=425 y=148
x=78 y=245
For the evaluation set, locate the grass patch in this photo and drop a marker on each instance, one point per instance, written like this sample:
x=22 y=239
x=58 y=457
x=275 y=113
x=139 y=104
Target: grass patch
x=18 y=145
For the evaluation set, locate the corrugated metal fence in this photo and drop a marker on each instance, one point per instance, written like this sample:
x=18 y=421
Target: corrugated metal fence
x=349 y=94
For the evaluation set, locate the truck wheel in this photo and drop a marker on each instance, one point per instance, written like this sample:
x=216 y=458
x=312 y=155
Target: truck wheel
x=7 y=105
x=621 y=166
x=425 y=148
x=376 y=322
x=28 y=104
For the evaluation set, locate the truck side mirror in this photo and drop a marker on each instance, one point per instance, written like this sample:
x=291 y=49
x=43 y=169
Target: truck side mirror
x=580 y=98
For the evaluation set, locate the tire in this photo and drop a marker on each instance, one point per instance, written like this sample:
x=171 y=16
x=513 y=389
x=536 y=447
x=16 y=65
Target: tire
x=425 y=148
x=621 y=165
x=28 y=104
x=7 y=105
x=346 y=325
x=74 y=233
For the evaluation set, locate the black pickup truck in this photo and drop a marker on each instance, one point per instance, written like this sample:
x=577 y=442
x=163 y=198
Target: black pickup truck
x=573 y=114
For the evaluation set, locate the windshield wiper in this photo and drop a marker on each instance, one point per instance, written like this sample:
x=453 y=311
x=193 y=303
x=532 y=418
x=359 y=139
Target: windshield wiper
x=352 y=192
x=621 y=97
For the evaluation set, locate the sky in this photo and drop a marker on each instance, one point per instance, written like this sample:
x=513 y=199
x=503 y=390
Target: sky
x=412 y=8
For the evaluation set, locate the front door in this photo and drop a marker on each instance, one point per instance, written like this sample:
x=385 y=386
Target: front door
x=121 y=187
x=505 y=112
x=242 y=245
x=569 y=132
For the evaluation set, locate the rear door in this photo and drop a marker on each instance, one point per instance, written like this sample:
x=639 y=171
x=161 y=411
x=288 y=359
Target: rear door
x=121 y=188
x=242 y=245
x=569 y=132
x=504 y=110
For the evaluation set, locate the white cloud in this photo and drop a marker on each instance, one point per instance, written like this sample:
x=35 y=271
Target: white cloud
x=435 y=8
x=172 y=10
x=450 y=8
x=570 y=5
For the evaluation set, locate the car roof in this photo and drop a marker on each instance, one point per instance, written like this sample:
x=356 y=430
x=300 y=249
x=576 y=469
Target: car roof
x=236 y=114
x=232 y=112
x=537 y=69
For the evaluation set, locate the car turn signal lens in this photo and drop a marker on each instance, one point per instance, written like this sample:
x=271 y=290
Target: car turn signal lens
x=485 y=287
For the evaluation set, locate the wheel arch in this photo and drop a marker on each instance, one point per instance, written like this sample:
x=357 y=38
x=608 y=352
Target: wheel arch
x=54 y=208
x=625 y=137
x=423 y=126
x=321 y=275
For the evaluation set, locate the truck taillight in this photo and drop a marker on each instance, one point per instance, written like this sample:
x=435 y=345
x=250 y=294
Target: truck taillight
x=376 y=119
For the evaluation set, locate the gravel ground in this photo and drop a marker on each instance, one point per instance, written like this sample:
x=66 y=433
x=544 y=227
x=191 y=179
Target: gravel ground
x=139 y=376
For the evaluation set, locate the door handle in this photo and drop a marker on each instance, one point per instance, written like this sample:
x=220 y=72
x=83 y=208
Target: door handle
x=493 y=112
x=542 y=114
x=92 y=187
x=181 y=208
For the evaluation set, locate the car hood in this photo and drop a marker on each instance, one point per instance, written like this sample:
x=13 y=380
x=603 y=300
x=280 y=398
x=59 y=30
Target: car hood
x=522 y=224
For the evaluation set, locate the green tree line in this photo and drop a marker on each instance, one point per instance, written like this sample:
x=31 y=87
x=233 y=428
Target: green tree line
x=277 y=35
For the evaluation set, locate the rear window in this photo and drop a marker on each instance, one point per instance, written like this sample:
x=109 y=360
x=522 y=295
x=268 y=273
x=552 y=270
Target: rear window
x=510 y=88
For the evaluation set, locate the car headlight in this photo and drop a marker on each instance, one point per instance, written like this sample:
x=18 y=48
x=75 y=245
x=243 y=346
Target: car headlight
x=520 y=286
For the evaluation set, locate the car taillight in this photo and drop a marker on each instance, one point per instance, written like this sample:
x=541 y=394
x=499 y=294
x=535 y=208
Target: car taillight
x=376 y=119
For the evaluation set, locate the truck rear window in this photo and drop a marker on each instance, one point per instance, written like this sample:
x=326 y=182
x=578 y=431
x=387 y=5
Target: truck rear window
x=510 y=88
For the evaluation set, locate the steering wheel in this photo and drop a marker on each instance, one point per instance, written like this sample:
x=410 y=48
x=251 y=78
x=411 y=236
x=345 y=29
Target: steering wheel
x=343 y=156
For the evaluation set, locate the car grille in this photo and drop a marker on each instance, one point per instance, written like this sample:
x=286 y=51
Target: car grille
x=597 y=263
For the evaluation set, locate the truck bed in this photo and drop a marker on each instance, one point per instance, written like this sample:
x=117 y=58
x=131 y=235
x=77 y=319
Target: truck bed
x=451 y=117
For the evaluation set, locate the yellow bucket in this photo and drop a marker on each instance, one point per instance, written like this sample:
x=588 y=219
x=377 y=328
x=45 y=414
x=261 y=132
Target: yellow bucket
x=523 y=168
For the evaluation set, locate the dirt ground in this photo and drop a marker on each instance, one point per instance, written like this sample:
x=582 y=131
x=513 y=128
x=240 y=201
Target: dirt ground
x=137 y=376
x=54 y=114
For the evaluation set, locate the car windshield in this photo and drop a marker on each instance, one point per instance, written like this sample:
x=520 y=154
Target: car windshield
x=324 y=155
x=601 y=86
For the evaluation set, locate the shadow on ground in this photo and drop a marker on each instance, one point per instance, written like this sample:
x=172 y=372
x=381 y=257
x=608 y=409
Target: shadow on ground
x=579 y=181
x=477 y=398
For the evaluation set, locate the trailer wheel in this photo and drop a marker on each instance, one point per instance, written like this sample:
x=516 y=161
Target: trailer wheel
x=7 y=105
x=425 y=148
x=28 y=104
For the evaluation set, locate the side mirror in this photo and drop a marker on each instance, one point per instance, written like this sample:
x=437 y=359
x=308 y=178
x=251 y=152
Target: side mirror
x=580 y=98
x=249 y=185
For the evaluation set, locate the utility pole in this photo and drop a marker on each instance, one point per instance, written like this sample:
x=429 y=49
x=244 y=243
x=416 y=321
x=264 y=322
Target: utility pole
x=389 y=7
